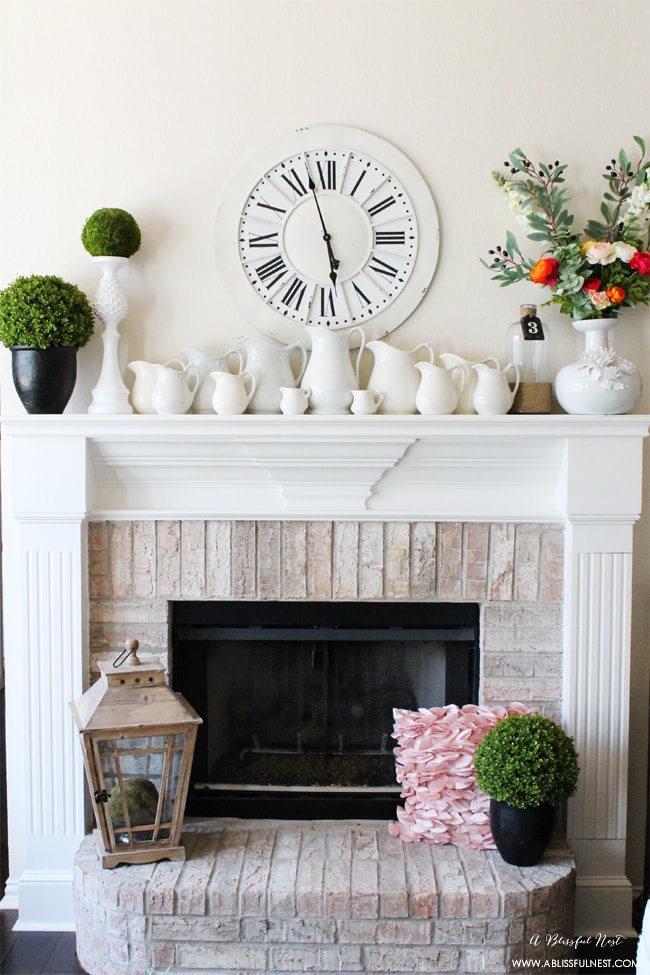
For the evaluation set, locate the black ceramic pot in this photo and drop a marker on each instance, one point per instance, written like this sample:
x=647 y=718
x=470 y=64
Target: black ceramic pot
x=44 y=378
x=521 y=835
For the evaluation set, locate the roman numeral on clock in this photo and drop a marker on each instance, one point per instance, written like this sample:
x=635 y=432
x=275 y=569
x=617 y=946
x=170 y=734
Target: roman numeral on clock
x=327 y=174
x=263 y=240
x=381 y=267
x=363 y=298
x=383 y=238
x=298 y=187
x=326 y=303
x=294 y=294
x=381 y=206
x=275 y=268
x=269 y=206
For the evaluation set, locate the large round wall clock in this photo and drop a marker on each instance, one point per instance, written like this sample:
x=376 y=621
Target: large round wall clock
x=327 y=226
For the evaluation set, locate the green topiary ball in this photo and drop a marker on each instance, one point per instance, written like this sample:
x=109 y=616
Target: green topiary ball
x=43 y=312
x=141 y=797
x=111 y=232
x=527 y=760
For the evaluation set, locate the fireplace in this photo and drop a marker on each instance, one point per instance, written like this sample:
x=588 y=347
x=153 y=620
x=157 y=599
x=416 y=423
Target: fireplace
x=531 y=518
x=297 y=698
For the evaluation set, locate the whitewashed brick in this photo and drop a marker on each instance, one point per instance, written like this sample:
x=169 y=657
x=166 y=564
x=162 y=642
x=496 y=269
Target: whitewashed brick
x=477 y=552
x=244 y=560
x=371 y=560
x=294 y=562
x=193 y=559
x=501 y=567
x=218 y=546
x=319 y=559
x=121 y=559
x=397 y=560
x=144 y=559
x=423 y=559
x=450 y=561
x=168 y=559
x=346 y=560
x=269 y=559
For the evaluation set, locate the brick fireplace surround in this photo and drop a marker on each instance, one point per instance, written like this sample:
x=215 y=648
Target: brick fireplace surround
x=530 y=517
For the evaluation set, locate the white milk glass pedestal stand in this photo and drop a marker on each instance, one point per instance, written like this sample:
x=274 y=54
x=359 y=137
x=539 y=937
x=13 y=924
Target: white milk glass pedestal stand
x=110 y=395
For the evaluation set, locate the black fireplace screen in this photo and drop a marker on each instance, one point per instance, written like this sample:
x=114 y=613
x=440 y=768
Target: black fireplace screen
x=297 y=698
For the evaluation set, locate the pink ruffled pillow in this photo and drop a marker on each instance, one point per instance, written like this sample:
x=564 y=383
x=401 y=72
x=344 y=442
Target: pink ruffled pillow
x=434 y=766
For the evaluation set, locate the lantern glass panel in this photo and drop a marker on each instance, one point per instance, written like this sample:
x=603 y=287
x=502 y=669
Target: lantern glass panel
x=140 y=776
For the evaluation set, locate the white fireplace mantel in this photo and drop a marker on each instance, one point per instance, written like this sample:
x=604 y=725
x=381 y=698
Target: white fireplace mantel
x=60 y=472
x=393 y=467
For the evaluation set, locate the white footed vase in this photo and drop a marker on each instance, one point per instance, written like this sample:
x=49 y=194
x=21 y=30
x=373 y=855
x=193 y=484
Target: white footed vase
x=600 y=382
x=110 y=395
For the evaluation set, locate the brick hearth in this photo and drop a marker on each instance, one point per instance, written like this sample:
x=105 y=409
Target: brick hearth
x=322 y=897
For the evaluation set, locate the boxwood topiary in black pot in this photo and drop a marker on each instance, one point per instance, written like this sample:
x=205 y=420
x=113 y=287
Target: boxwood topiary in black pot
x=44 y=320
x=527 y=764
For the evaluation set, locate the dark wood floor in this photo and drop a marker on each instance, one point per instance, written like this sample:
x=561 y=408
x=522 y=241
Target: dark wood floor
x=35 y=952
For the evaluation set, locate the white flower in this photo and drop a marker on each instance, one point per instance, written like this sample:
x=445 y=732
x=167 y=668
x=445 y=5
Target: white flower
x=600 y=252
x=519 y=204
x=638 y=208
x=624 y=252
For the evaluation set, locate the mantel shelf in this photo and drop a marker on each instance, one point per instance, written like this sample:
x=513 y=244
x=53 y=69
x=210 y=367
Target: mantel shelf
x=322 y=467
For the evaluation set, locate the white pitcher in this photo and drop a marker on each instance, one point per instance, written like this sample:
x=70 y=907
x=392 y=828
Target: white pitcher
x=205 y=365
x=175 y=387
x=439 y=389
x=329 y=375
x=493 y=394
x=295 y=399
x=143 y=385
x=466 y=398
x=232 y=393
x=394 y=374
x=146 y=377
x=272 y=367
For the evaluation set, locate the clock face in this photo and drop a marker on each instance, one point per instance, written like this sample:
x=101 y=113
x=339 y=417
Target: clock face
x=341 y=231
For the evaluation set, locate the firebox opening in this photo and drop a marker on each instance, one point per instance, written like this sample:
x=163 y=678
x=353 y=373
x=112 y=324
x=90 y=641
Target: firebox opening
x=297 y=698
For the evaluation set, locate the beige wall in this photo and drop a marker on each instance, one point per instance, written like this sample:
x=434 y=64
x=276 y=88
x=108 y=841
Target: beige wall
x=153 y=105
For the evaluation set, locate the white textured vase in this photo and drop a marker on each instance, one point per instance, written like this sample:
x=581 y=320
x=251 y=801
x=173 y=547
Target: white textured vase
x=110 y=395
x=601 y=381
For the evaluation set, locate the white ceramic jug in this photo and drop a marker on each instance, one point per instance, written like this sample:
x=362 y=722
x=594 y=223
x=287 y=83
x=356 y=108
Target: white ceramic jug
x=175 y=386
x=329 y=373
x=143 y=385
x=205 y=365
x=466 y=398
x=439 y=389
x=394 y=374
x=493 y=394
x=273 y=367
x=232 y=393
x=295 y=399
x=365 y=402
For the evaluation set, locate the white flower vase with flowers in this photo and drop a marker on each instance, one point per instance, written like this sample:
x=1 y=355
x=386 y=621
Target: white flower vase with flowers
x=591 y=279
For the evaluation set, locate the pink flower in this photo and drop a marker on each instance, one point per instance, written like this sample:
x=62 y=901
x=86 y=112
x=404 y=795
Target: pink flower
x=600 y=300
x=600 y=252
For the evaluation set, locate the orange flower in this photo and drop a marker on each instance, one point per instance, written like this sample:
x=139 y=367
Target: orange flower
x=545 y=271
x=615 y=294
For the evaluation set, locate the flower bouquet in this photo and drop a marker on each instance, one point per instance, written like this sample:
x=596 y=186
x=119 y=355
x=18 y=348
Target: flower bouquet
x=591 y=278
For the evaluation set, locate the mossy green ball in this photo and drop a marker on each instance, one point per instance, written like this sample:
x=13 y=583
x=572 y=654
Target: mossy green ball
x=111 y=232
x=141 y=797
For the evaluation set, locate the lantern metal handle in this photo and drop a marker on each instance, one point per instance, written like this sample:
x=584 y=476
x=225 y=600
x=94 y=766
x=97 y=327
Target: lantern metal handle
x=130 y=648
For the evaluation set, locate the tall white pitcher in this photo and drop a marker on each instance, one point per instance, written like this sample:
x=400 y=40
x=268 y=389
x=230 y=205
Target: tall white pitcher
x=394 y=374
x=330 y=375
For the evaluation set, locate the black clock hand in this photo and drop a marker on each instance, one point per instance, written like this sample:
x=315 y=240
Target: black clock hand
x=327 y=237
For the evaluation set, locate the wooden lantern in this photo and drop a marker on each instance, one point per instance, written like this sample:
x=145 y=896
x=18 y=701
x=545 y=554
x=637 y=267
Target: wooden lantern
x=138 y=739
